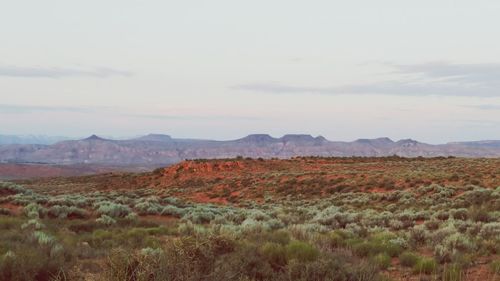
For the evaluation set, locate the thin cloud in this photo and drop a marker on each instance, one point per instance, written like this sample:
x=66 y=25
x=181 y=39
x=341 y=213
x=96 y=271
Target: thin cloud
x=481 y=122
x=431 y=79
x=9 y=108
x=58 y=72
x=191 y=117
x=478 y=73
x=23 y=109
x=488 y=107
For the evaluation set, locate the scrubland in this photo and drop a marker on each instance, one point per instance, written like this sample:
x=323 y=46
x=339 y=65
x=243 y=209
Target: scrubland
x=346 y=219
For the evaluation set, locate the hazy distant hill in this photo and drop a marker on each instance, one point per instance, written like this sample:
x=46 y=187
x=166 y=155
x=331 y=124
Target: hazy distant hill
x=157 y=150
x=29 y=139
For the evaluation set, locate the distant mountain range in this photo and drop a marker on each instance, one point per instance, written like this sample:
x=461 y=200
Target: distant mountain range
x=29 y=139
x=157 y=150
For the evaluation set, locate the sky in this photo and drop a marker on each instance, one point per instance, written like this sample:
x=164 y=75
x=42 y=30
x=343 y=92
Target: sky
x=427 y=70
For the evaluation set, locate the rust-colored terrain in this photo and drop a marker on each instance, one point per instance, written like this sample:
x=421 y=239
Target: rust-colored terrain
x=227 y=180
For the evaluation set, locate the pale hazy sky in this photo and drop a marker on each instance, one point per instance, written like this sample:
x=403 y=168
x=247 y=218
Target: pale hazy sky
x=427 y=69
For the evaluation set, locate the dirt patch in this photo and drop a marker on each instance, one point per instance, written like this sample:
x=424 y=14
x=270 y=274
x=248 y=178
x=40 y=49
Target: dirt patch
x=201 y=197
x=159 y=219
x=14 y=209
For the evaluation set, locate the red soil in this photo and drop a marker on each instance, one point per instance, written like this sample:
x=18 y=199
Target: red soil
x=15 y=209
x=193 y=167
x=419 y=222
x=201 y=197
x=223 y=180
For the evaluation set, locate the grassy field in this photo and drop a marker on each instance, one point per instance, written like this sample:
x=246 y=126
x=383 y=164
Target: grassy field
x=309 y=218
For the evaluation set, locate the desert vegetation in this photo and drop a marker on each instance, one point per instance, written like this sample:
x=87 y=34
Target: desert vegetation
x=244 y=219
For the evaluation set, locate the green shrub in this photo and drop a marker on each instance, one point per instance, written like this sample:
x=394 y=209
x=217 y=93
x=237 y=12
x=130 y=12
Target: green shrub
x=138 y=238
x=30 y=263
x=33 y=224
x=490 y=230
x=306 y=231
x=371 y=248
x=43 y=238
x=102 y=239
x=453 y=272
x=418 y=235
x=364 y=249
x=34 y=210
x=391 y=249
x=113 y=210
x=132 y=217
x=456 y=244
x=173 y=211
x=495 y=267
x=442 y=215
x=363 y=271
x=459 y=214
x=432 y=224
x=280 y=236
x=336 y=240
x=382 y=260
x=63 y=211
x=190 y=229
x=84 y=226
x=426 y=266
x=479 y=215
x=122 y=265
x=7 y=188
x=7 y=223
x=301 y=251
x=327 y=268
x=148 y=208
x=202 y=214
x=106 y=220
x=400 y=242
x=275 y=254
x=408 y=259
x=160 y=230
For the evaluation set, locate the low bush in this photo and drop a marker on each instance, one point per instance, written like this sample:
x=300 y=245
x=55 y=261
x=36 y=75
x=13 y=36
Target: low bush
x=148 y=208
x=30 y=263
x=34 y=210
x=454 y=245
x=301 y=251
x=425 y=266
x=173 y=211
x=382 y=260
x=495 y=267
x=418 y=235
x=364 y=249
x=409 y=259
x=84 y=226
x=432 y=224
x=106 y=220
x=33 y=224
x=113 y=210
x=10 y=223
x=490 y=230
x=337 y=239
x=280 y=237
x=453 y=272
x=374 y=247
x=275 y=254
x=63 y=212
